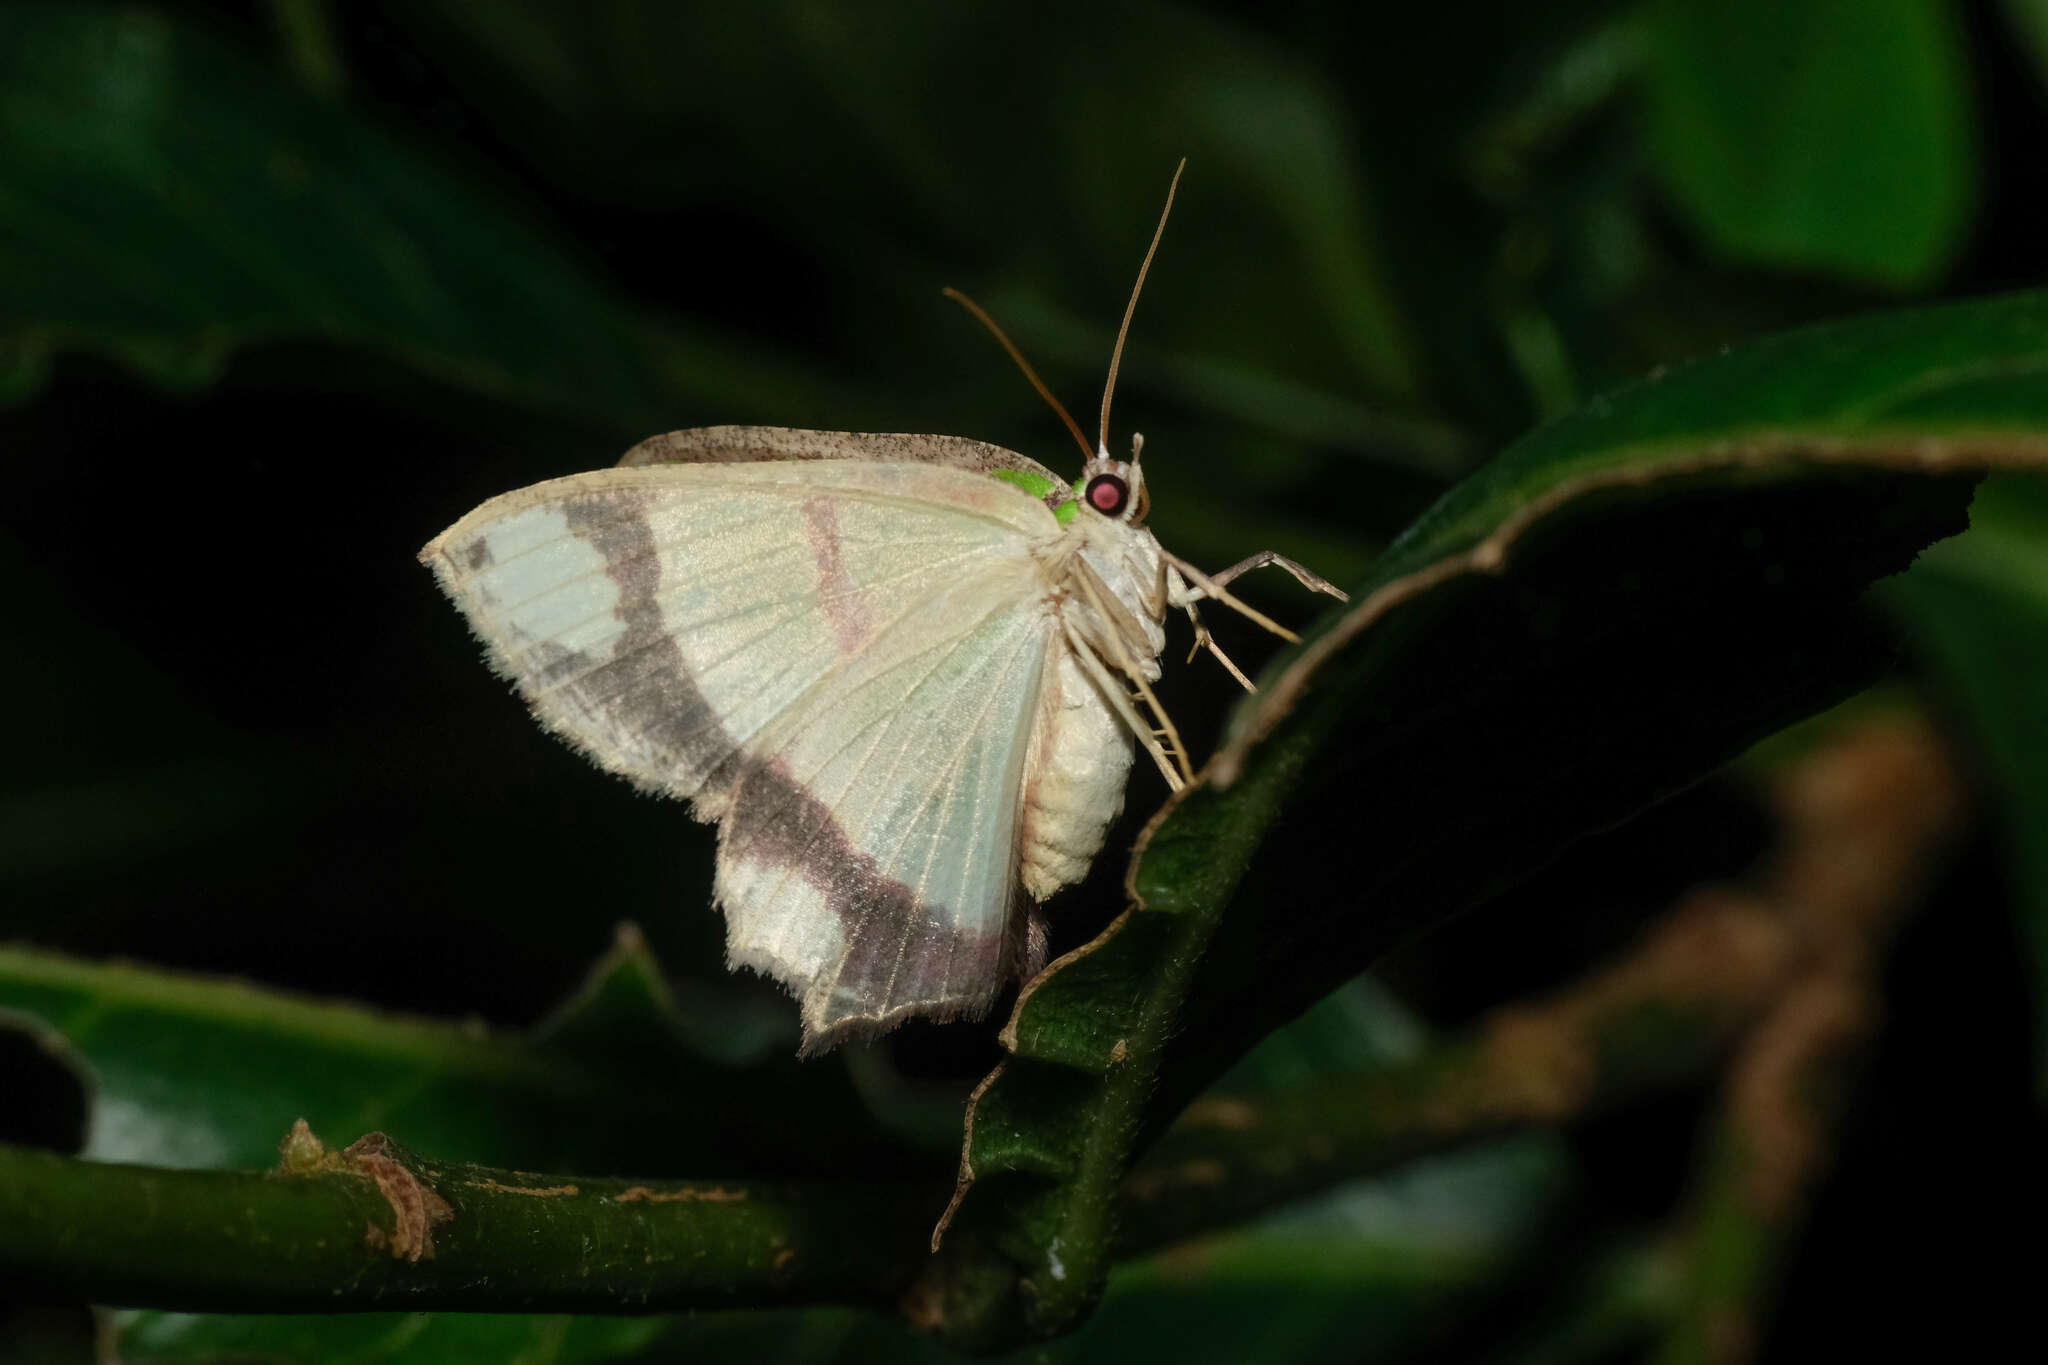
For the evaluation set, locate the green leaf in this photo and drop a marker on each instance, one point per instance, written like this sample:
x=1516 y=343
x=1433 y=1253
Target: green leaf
x=1504 y=682
x=166 y=200
x=1828 y=135
x=836 y=117
x=1363 y=1274
x=189 y=1071
x=1359 y=1024
x=627 y=1008
x=1978 y=609
x=1360 y=1274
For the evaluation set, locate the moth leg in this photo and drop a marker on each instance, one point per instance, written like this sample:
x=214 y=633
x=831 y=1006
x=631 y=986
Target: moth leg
x=1112 y=685
x=1181 y=595
x=1197 y=585
x=1204 y=640
x=1308 y=578
x=1136 y=675
x=1172 y=744
x=1133 y=670
x=1228 y=666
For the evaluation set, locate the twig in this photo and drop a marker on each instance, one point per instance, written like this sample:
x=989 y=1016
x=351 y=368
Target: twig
x=1869 y=815
x=376 y=1227
x=1784 y=970
x=1765 y=968
x=1657 y=1018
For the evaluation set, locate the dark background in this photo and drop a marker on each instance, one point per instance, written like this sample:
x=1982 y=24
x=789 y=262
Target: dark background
x=249 y=737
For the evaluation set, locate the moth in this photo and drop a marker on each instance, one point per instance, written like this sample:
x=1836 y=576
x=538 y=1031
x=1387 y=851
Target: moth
x=906 y=676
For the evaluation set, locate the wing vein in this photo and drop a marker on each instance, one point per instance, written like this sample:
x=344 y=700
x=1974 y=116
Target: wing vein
x=741 y=568
x=876 y=731
x=953 y=770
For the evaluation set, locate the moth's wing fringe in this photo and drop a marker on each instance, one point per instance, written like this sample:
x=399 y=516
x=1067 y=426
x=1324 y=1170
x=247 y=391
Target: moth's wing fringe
x=502 y=664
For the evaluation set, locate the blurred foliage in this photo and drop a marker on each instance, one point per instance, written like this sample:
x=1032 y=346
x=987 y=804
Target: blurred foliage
x=1751 y=496
x=1833 y=137
x=286 y=286
x=1978 y=607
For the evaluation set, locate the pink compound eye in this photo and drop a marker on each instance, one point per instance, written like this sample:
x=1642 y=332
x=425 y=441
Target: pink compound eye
x=1107 y=494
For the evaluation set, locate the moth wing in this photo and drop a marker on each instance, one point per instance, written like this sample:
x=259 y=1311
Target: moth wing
x=738 y=444
x=868 y=856
x=838 y=661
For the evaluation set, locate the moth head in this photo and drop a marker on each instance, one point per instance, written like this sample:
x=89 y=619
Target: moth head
x=1108 y=488
x=1116 y=488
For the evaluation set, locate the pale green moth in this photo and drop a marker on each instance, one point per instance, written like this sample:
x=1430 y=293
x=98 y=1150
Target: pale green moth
x=905 y=675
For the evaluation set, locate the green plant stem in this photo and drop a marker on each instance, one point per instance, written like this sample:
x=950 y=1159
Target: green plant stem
x=1780 y=973
x=335 y=1239
x=201 y=1241
x=1770 y=1139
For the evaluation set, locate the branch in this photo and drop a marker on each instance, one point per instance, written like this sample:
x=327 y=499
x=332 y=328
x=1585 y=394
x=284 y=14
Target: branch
x=376 y=1227
x=1659 y=1017
x=1873 y=810
x=1762 y=969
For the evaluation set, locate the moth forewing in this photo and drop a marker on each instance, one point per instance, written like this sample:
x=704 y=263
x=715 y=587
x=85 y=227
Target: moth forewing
x=761 y=445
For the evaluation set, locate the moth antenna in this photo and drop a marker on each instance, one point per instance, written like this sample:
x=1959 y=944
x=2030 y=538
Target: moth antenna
x=1137 y=446
x=1117 y=355
x=981 y=315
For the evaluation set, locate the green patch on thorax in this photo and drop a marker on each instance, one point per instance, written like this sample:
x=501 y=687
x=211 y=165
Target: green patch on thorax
x=1037 y=485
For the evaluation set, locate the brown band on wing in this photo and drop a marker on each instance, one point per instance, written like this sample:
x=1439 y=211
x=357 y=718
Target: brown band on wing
x=901 y=955
x=644 y=694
